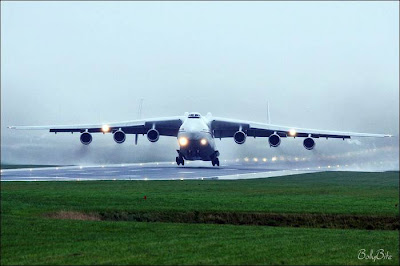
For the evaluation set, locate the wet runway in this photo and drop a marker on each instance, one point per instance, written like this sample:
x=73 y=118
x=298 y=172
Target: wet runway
x=147 y=171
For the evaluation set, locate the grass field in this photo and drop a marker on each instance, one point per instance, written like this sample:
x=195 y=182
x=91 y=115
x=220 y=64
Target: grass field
x=30 y=236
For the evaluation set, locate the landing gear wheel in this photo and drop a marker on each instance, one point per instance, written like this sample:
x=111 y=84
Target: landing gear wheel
x=215 y=162
x=179 y=160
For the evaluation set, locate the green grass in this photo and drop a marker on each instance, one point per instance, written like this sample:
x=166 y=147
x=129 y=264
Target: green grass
x=27 y=237
x=330 y=192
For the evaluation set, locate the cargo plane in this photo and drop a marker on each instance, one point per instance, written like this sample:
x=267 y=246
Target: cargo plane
x=196 y=134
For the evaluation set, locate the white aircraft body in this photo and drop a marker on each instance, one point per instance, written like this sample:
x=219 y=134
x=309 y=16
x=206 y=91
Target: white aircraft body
x=196 y=133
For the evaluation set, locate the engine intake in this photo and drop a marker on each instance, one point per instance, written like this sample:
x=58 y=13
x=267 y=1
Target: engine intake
x=309 y=143
x=274 y=140
x=239 y=137
x=119 y=136
x=153 y=135
x=86 y=138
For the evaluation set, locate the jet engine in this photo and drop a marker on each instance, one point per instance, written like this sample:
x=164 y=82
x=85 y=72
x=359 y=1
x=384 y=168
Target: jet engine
x=274 y=140
x=86 y=138
x=119 y=136
x=153 y=135
x=309 y=143
x=239 y=137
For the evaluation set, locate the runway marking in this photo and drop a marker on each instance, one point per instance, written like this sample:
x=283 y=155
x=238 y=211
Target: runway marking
x=146 y=172
x=40 y=177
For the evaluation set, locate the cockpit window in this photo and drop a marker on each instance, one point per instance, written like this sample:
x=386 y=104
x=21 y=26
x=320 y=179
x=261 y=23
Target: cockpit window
x=194 y=116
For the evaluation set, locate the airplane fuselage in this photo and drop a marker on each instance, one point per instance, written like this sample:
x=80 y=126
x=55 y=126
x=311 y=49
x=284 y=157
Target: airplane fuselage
x=196 y=140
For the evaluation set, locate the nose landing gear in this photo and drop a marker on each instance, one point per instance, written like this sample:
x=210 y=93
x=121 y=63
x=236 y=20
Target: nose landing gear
x=215 y=162
x=179 y=160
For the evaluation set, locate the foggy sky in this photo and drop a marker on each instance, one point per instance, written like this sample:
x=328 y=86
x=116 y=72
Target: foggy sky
x=324 y=65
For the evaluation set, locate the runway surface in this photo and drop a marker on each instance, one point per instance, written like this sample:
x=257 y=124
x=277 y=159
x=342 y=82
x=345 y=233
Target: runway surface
x=147 y=171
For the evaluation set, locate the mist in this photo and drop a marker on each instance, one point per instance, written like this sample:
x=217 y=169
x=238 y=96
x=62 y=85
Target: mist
x=322 y=65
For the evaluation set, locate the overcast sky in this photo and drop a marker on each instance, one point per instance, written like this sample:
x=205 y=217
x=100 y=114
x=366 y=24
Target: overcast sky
x=327 y=65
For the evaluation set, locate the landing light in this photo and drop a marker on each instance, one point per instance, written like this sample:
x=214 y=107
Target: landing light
x=183 y=141
x=292 y=132
x=203 y=141
x=105 y=128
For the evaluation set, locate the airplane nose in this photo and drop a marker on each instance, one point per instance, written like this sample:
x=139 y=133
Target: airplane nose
x=190 y=136
x=191 y=140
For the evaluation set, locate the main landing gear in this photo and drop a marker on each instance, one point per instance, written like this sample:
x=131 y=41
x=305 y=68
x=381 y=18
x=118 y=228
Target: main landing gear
x=215 y=162
x=179 y=160
x=214 y=159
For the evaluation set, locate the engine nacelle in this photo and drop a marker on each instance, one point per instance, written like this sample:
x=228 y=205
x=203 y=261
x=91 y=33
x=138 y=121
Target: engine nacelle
x=239 y=137
x=153 y=135
x=86 y=138
x=119 y=136
x=274 y=140
x=309 y=143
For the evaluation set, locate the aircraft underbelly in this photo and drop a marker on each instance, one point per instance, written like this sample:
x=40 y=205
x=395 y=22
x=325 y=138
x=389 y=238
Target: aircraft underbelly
x=194 y=150
x=198 y=153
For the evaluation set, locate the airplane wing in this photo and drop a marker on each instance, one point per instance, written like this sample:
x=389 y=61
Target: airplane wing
x=166 y=126
x=226 y=128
